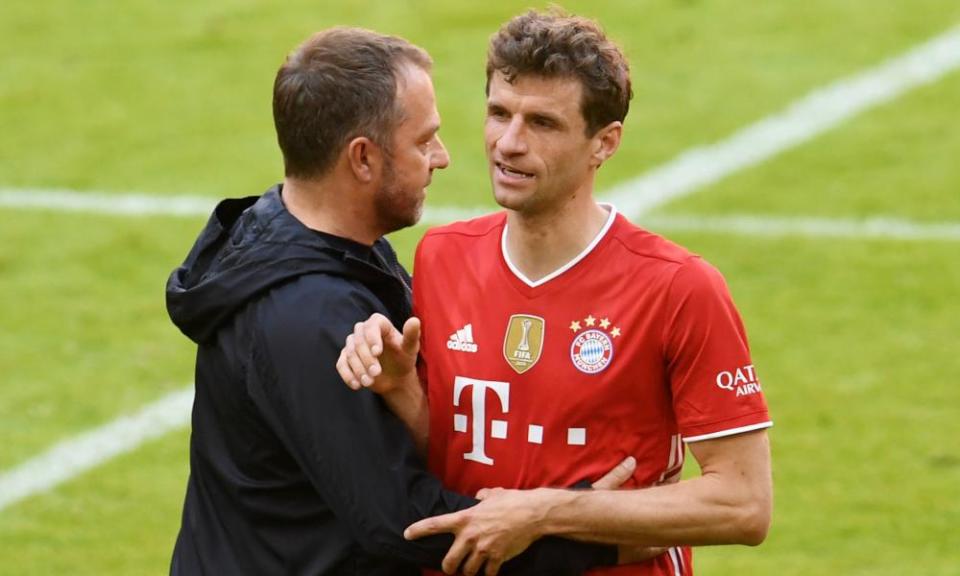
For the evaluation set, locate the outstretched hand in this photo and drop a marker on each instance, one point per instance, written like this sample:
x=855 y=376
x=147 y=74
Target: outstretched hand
x=377 y=356
x=502 y=525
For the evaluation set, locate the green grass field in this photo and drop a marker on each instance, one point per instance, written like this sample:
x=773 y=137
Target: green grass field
x=857 y=341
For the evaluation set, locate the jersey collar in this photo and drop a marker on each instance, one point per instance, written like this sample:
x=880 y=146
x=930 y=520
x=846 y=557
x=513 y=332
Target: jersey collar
x=559 y=271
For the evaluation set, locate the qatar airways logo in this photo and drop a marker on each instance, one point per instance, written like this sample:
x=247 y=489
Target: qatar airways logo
x=743 y=381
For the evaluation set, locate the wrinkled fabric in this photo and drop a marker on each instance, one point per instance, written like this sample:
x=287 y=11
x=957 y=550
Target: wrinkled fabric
x=291 y=472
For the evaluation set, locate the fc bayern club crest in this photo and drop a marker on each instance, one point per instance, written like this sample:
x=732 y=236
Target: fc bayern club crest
x=592 y=348
x=591 y=351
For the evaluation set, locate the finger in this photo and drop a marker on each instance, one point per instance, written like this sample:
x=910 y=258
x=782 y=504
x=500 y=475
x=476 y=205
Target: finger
x=434 y=525
x=379 y=327
x=346 y=373
x=616 y=477
x=474 y=563
x=493 y=566
x=485 y=493
x=361 y=341
x=354 y=363
x=455 y=555
x=411 y=336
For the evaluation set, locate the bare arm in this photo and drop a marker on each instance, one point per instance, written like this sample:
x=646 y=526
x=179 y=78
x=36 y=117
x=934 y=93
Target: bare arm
x=730 y=503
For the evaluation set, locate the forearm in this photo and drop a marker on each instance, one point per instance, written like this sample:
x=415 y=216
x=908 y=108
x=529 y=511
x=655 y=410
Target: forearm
x=409 y=403
x=730 y=503
x=694 y=512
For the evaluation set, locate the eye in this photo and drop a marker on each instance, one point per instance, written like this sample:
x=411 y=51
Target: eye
x=427 y=143
x=497 y=113
x=543 y=122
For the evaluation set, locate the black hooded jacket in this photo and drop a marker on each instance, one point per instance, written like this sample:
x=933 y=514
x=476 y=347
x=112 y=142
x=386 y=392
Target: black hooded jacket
x=291 y=472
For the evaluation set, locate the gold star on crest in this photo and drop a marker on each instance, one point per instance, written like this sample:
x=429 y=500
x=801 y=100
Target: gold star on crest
x=615 y=332
x=605 y=323
x=590 y=320
x=575 y=326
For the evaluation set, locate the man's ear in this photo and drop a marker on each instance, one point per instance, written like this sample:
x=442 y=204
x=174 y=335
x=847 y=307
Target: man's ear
x=365 y=159
x=605 y=143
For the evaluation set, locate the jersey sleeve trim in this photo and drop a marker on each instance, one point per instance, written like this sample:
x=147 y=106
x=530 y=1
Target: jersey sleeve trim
x=728 y=432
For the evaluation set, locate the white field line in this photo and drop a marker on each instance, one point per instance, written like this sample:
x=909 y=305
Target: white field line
x=111 y=204
x=748 y=225
x=78 y=454
x=64 y=200
x=743 y=225
x=802 y=120
x=817 y=112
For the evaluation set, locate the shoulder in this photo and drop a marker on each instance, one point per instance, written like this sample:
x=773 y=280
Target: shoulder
x=653 y=255
x=466 y=230
x=448 y=247
x=645 y=244
x=314 y=306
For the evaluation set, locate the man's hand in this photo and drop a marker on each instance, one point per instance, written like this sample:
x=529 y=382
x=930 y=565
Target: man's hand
x=377 y=356
x=502 y=525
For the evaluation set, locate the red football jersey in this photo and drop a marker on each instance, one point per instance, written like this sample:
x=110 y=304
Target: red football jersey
x=632 y=348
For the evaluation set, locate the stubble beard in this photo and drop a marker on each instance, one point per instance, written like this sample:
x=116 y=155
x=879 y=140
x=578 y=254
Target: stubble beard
x=395 y=207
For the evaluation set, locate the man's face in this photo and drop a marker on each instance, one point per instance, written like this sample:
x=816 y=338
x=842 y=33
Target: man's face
x=538 y=152
x=415 y=151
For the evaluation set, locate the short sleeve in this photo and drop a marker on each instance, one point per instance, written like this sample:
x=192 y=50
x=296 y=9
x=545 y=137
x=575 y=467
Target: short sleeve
x=715 y=386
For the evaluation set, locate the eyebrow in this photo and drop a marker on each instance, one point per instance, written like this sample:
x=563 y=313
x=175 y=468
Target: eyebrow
x=493 y=105
x=430 y=130
x=537 y=115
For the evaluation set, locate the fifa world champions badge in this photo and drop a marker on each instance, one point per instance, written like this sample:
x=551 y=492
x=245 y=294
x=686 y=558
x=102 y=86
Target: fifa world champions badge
x=592 y=347
x=523 y=341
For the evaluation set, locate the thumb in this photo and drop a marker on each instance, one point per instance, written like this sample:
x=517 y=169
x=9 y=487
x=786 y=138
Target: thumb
x=411 y=336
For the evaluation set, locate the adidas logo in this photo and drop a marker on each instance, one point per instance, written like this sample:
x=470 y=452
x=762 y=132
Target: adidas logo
x=462 y=340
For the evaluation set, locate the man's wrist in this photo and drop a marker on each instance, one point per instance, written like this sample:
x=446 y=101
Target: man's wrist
x=404 y=389
x=555 y=507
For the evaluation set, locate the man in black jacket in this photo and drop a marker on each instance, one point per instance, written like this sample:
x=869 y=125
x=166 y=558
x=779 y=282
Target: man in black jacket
x=291 y=472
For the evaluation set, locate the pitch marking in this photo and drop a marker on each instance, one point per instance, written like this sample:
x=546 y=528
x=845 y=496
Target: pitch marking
x=801 y=121
x=78 y=454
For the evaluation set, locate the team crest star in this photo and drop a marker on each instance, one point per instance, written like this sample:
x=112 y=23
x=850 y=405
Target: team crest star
x=590 y=320
x=575 y=326
x=605 y=323
x=615 y=332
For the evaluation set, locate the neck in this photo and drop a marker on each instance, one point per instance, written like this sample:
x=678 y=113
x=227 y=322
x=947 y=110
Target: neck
x=325 y=206
x=539 y=244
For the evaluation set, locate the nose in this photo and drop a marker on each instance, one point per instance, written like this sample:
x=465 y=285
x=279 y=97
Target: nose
x=513 y=142
x=440 y=158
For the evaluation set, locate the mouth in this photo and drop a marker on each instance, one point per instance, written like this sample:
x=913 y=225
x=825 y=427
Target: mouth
x=511 y=172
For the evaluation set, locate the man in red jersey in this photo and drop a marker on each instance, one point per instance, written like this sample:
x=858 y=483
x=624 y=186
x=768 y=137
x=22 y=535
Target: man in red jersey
x=556 y=338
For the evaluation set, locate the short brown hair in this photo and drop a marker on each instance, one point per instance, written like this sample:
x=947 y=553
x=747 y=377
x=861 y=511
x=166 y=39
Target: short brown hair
x=554 y=43
x=339 y=84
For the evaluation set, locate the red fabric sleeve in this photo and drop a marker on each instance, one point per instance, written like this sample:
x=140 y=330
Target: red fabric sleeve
x=716 y=391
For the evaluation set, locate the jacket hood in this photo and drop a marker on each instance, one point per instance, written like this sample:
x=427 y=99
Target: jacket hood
x=249 y=246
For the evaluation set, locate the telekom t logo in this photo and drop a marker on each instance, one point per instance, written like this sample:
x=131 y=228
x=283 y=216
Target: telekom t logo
x=498 y=428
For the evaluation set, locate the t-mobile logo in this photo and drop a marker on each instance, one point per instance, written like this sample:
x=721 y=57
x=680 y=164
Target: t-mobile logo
x=498 y=428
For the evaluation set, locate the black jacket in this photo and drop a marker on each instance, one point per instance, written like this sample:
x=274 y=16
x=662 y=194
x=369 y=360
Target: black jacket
x=291 y=472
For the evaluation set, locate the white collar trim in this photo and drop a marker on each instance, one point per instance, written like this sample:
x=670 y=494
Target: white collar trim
x=593 y=244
